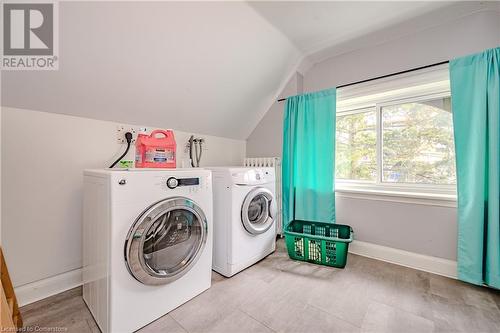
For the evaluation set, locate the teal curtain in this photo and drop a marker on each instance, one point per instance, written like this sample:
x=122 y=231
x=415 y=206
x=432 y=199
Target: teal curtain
x=475 y=89
x=309 y=157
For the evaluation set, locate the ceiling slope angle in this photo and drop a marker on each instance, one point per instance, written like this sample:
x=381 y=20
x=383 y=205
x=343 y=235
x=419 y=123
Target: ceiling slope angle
x=325 y=29
x=210 y=68
x=315 y=25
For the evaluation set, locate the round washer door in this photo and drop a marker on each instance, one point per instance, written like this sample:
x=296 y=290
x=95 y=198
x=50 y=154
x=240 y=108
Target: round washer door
x=165 y=241
x=258 y=211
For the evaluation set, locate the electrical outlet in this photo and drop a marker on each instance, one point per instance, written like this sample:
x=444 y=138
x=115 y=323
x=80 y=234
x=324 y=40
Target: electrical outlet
x=122 y=129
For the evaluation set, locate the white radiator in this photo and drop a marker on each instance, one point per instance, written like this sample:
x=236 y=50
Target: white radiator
x=271 y=162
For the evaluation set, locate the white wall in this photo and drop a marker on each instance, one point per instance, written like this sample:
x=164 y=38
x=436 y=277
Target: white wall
x=43 y=156
x=266 y=139
x=422 y=229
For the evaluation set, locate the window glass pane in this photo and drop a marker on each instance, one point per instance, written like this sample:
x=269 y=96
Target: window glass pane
x=417 y=144
x=356 y=139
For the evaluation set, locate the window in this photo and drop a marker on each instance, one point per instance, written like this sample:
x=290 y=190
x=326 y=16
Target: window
x=397 y=135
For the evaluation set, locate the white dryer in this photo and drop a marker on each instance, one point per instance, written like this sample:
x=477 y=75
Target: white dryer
x=147 y=243
x=244 y=217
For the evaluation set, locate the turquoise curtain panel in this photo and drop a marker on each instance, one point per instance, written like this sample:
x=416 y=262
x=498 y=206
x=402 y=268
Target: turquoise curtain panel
x=309 y=157
x=475 y=89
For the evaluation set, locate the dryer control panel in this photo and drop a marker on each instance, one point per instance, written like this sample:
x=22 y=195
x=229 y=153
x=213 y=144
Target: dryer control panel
x=250 y=177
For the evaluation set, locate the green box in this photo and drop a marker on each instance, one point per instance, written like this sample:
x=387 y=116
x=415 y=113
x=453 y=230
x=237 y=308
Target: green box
x=126 y=164
x=318 y=242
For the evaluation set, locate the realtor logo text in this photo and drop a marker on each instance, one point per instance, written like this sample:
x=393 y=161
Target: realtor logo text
x=29 y=36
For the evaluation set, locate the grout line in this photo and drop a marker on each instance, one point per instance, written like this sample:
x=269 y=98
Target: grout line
x=168 y=314
x=333 y=315
x=240 y=309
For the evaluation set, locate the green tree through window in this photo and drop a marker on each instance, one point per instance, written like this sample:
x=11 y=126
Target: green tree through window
x=416 y=140
x=356 y=141
x=417 y=143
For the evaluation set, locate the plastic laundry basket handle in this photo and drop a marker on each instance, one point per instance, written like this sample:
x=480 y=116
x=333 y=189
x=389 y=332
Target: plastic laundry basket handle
x=165 y=133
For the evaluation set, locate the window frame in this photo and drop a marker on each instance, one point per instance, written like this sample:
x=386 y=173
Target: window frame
x=443 y=192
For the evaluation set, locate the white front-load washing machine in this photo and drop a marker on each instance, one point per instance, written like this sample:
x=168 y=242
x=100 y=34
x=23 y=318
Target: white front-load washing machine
x=147 y=243
x=244 y=217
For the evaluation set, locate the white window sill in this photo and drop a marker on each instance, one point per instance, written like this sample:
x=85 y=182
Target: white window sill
x=410 y=197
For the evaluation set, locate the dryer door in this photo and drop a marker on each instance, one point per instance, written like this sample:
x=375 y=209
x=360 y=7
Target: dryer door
x=258 y=211
x=165 y=241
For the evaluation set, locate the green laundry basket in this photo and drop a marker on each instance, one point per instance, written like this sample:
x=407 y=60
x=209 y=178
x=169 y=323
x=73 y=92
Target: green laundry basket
x=318 y=242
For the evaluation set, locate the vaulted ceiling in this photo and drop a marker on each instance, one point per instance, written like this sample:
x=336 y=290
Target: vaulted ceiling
x=207 y=67
x=312 y=26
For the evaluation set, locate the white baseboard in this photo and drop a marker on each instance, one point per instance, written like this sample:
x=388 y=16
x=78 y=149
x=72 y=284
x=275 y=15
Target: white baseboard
x=38 y=290
x=421 y=262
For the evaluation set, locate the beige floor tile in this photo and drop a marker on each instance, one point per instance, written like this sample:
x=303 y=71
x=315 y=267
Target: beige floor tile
x=461 y=292
x=384 y=318
x=290 y=315
x=203 y=312
x=163 y=324
x=238 y=321
x=450 y=315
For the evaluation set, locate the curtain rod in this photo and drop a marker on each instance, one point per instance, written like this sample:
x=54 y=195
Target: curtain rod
x=384 y=76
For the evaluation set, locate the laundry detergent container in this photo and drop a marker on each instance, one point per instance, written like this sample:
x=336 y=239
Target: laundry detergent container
x=156 y=150
x=319 y=243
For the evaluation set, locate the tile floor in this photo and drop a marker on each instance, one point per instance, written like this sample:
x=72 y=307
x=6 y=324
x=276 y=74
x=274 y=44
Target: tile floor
x=281 y=295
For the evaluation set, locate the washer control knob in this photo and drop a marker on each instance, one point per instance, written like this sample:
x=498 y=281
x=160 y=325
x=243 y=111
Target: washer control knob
x=172 y=182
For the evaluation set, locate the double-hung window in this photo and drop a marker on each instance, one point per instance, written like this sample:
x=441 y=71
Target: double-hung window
x=395 y=136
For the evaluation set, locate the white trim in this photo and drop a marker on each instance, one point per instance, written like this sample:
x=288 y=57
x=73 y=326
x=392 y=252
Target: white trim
x=418 y=83
x=413 y=260
x=420 y=190
x=38 y=290
x=429 y=199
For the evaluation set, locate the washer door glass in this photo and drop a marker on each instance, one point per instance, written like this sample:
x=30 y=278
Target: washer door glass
x=166 y=241
x=258 y=211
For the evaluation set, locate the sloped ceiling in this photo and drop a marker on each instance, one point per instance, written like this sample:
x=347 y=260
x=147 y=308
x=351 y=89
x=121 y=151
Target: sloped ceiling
x=312 y=26
x=206 y=67
x=325 y=29
x=193 y=66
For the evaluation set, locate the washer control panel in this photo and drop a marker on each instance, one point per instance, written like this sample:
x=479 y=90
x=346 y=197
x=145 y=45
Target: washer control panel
x=173 y=182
